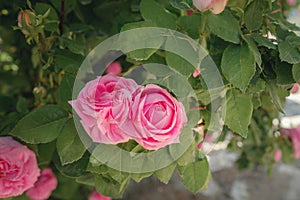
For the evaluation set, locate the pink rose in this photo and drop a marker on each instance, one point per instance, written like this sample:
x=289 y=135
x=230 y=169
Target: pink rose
x=44 y=186
x=294 y=135
x=97 y=196
x=295 y=88
x=216 y=6
x=277 y=155
x=18 y=168
x=114 y=68
x=157 y=118
x=103 y=106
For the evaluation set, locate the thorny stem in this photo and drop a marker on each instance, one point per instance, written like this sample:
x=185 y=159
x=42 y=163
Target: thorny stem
x=62 y=16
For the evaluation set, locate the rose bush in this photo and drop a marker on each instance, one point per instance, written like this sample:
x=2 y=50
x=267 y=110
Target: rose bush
x=18 y=168
x=44 y=186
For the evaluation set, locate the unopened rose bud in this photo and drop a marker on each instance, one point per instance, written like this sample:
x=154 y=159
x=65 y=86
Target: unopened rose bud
x=216 y=6
x=25 y=18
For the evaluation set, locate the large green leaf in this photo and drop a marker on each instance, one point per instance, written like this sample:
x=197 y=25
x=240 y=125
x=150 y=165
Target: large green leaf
x=254 y=15
x=190 y=24
x=262 y=41
x=69 y=145
x=165 y=174
x=195 y=176
x=225 y=26
x=296 y=72
x=238 y=65
x=65 y=91
x=42 y=125
x=239 y=109
x=153 y=11
x=288 y=52
x=252 y=46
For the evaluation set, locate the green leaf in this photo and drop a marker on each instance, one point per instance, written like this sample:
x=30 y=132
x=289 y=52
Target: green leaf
x=65 y=91
x=273 y=90
x=66 y=188
x=195 y=175
x=73 y=45
x=68 y=61
x=288 y=52
x=145 y=40
x=190 y=24
x=153 y=11
x=165 y=174
x=238 y=65
x=252 y=46
x=262 y=41
x=75 y=169
x=45 y=153
x=296 y=72
x=42 y=125
x=182 y=4
x=69 y=145
x=254 y=15
x=284 y=74
x=225 y=26
x=239 y=109
x=86 y=180
x=106 y=186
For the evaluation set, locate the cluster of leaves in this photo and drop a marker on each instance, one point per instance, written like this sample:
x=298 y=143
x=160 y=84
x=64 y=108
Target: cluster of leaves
x=252 y=44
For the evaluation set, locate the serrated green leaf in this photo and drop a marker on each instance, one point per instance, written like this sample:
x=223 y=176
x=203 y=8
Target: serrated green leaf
x=262 y=41
x=75 y=169
x=165 y=174
x=238 y=65
x=254 y=15
x=69 y=145
x=139 y=51
x=239 y=109
x=190 y=24
x=195 y=175
x=68 y=61
x=106 y=186
x=296 y=72
x=288 y=52
x=154 y=12
x=224 y=26
x=42 y=125
x=252 y=46
x=273 y=90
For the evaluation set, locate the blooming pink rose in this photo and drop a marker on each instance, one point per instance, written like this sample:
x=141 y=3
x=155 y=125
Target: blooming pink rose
x=97 y=196
x=294 y=135
x=114 y=68
x=277 y=155
x=103 y=106
x=18 y=168
x=295 y=88
x=157 y=118
x=44 y=186
x=216 y=6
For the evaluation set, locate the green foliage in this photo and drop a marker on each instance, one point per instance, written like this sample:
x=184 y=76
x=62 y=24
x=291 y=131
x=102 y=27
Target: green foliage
x=254 y=48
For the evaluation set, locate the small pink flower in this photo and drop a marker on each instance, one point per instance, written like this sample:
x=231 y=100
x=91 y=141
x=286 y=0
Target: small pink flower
x=291 y=2
x=277 y=155
x=114 y=68
x=18 y=168
x=103 y=105
x=294 y=135
x=295 y=88
x=44 y=186
x=196 y=73
x=216 y=6
x=97 y=196
x=157 y=118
